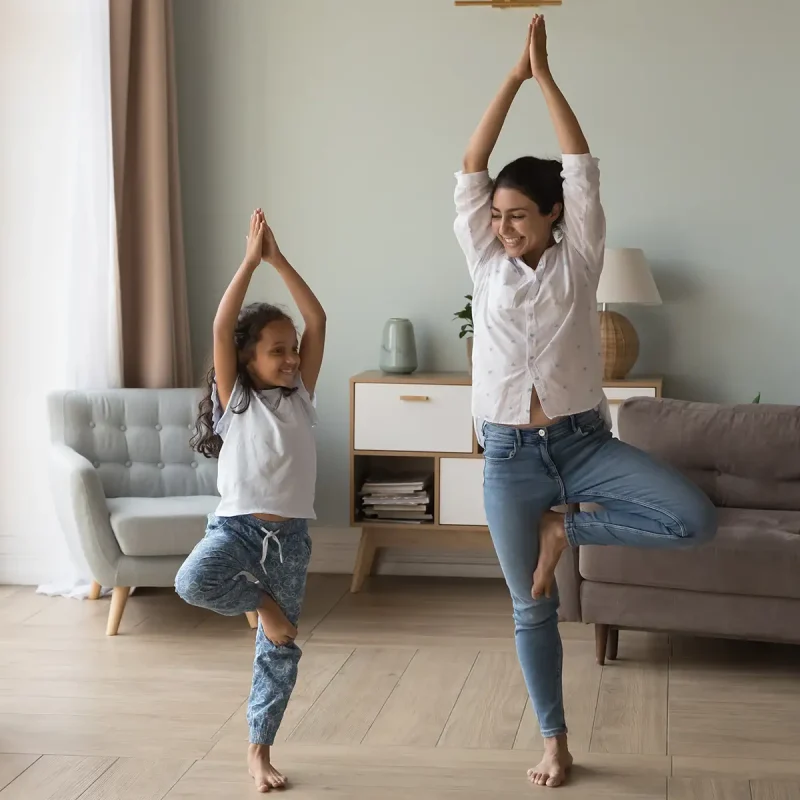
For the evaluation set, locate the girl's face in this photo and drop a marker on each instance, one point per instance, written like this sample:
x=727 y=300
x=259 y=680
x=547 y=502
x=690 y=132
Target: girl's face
x=519 y=225
x=275 y=360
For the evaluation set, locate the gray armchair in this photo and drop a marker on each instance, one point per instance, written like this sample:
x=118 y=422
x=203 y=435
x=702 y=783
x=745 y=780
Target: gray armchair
x=128 y=486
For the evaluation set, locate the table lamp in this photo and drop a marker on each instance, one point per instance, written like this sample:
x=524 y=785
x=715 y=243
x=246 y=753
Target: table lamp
x=626 y=278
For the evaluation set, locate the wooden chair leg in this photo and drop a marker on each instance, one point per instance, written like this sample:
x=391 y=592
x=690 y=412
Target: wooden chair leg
x=118 y=599
x=252 y=618
x=364 y=560
x=613 y=644
x=94 y=590
x=601 y=633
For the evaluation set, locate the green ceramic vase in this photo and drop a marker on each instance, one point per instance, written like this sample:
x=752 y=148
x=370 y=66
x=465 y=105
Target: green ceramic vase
x=398 y=348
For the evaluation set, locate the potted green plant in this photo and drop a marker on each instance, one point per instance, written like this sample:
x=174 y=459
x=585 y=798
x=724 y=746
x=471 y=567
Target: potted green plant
x=467 y=330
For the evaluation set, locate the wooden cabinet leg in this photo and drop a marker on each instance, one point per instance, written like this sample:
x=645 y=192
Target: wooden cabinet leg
x=613 y=644
x=252 y=618
x=94 y=590
x=364 y=560
x=601 y=633
x=118 y=599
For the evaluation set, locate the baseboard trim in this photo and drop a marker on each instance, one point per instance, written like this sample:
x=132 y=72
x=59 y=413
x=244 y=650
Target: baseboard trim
x=334 y=550
x=26 y=572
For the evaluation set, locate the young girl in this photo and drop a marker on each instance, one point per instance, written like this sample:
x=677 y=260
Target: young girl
x=534 y=240
x=257 y=418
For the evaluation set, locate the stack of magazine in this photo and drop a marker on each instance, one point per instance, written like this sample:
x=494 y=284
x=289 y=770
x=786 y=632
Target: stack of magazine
x=403 y=499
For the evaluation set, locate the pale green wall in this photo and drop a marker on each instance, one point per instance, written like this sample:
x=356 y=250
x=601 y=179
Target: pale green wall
x=345 y=121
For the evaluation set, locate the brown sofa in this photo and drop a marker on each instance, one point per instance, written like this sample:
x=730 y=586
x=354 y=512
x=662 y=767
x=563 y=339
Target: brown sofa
x=745 y=583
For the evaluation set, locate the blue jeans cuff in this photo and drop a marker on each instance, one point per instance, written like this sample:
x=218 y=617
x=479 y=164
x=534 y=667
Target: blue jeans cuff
x=551 y=734
x=569 y=528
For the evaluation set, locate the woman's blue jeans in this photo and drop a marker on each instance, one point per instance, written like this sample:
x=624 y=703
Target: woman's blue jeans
x=527 y=472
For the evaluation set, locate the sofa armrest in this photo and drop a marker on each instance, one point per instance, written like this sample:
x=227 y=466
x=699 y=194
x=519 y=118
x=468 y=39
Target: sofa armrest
x=82 y=511
x=568 y=579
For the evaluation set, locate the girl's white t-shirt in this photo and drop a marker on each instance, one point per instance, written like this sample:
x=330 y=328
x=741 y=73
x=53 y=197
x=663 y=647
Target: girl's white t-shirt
x=268 y=461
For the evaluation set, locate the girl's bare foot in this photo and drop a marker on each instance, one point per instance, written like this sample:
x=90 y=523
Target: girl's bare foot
x=266 y=777
x=552 y=543
x=276 y=627
x=552 y=769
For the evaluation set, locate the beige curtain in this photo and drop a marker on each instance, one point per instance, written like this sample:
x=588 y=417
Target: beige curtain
x=156 y=351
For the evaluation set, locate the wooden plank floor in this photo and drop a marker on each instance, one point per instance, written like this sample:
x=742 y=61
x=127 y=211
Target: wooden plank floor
x=410 y=688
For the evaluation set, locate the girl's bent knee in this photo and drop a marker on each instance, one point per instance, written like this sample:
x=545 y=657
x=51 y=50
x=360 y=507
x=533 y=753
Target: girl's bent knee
x=189 y=583
x=212 y=583
x=197 y=584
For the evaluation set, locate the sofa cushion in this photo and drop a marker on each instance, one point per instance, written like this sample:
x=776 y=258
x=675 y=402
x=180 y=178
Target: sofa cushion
x=754 y=553
x=160 y=526
x=740 y=456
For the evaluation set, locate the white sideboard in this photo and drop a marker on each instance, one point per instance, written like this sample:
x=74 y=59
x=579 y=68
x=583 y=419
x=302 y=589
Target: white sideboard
x=423 y=422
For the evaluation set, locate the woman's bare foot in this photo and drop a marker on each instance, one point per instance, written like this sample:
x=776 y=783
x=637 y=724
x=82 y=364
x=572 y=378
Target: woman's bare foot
x=552 y=769
x=266 y=777
x=276 y=627
x=552 y=543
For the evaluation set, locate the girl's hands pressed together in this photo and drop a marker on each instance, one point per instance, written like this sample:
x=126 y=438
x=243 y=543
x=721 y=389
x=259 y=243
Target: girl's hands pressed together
x=270 y=252
x=252 y=256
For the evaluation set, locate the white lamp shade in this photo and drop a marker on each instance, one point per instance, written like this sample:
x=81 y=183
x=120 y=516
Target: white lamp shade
x=626 y=278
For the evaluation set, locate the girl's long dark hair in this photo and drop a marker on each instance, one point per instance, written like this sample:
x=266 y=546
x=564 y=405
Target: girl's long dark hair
x=252 y=320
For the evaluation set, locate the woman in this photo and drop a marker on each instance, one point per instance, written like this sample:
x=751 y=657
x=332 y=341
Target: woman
x=534 y=241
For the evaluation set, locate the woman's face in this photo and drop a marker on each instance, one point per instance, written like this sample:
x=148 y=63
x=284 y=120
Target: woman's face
x=519 y=225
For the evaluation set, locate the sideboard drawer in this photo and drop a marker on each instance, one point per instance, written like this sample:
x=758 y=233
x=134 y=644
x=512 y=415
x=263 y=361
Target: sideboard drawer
x=461 y=491
x=618 y=394
x=420 y=418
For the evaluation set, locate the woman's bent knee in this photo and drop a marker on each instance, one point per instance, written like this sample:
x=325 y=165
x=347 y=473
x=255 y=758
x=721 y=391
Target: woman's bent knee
x=700 y=521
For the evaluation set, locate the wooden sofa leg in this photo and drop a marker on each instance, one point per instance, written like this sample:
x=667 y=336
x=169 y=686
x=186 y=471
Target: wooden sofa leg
x=601 y=633
x=252 y=618
x=613 y=644
x=118 y=599
x=94 y=590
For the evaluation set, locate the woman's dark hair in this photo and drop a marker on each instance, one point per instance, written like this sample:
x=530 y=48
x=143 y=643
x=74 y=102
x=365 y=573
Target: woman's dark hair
x=539 y=179
x=252 y=320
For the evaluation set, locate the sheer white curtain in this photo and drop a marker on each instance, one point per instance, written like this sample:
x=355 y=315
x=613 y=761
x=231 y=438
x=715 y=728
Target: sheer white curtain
x=94 y=348
x=59 y=304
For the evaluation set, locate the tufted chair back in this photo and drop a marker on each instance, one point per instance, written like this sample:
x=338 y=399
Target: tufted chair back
x=137 y=440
